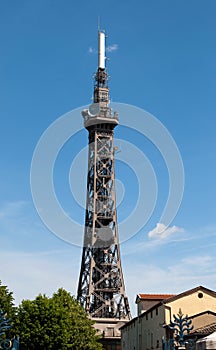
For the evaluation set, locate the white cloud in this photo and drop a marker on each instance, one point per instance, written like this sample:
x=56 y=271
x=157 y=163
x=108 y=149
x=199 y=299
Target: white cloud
x=155 y=277
x=112 y=47
x=91 y=50
x=109 y=48
x=11 y=209
x=28 y=274
x=202 y=261
x=163 y=231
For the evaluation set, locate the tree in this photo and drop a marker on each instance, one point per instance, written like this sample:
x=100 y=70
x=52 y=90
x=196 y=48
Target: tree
x=7 y=307
x=7 y=301
x=56 y=323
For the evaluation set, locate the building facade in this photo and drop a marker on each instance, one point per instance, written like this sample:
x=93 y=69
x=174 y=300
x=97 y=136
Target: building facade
x=147 y=301
x=149 y=330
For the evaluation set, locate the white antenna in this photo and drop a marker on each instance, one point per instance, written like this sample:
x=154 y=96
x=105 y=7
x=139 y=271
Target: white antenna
x=101 y=49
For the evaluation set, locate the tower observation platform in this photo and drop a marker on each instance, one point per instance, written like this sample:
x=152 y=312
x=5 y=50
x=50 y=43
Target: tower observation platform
x=101 y=289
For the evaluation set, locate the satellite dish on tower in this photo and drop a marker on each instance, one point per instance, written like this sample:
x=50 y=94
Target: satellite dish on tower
x=94 y=109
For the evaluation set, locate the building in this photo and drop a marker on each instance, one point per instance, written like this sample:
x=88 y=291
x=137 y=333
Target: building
x=146 y=301
x=150 y=331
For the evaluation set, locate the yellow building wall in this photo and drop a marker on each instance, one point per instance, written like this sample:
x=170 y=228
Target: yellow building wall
x=147 y=331
x=191 y=304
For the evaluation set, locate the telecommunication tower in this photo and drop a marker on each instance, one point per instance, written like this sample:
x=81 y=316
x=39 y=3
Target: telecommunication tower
x=101 y=288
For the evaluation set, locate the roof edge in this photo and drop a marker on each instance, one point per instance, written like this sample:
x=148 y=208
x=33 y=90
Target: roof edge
x=190 y=291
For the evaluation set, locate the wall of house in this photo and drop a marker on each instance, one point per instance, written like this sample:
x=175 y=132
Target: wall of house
x=143 y=305
x=191 y=304
x=146 y=331
x=152 y=329
x=129 y=336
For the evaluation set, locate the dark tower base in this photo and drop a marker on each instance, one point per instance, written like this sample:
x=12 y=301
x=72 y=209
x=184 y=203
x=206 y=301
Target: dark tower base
x=110 y=331
x=111 y=344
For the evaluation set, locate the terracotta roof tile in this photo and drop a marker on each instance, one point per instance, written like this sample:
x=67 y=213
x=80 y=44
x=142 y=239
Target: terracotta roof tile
x=155 y=296
x=205 y=330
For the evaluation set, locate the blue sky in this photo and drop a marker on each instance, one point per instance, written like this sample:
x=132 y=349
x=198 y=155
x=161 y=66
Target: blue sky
x=162 y=59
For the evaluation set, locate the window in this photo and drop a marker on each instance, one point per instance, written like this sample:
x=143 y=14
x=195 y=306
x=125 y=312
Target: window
x=151 y=340
x=156 y=311
x=110 y=332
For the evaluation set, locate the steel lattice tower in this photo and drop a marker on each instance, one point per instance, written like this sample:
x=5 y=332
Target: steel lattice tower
x=101 y=288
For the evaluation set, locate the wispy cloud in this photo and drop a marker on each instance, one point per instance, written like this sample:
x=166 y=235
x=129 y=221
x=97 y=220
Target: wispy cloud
x=10 y=209
x=17 y=219
x=202 y=260
x=109 y=48
x=28 y=274
x=32 y=260
x=112 y=47
x=162 y=231
x=92 y=50
x=177 y=277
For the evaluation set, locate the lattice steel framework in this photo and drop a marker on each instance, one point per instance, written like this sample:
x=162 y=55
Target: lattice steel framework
x=101 y=288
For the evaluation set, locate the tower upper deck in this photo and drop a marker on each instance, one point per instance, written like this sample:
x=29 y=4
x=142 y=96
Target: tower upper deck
x=97 y=114
x=100 y=112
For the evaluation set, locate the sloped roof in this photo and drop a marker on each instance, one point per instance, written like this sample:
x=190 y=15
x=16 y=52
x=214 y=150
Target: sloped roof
x=154 y=296
x=171 y=297
x=208 y=312
x=205 y=330
x=178 y=296
x=168 y=298
x=190 y=291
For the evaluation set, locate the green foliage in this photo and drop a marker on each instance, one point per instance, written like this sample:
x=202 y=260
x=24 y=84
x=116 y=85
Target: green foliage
x=6 y=301
x=56 y=323
x=7 y=306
